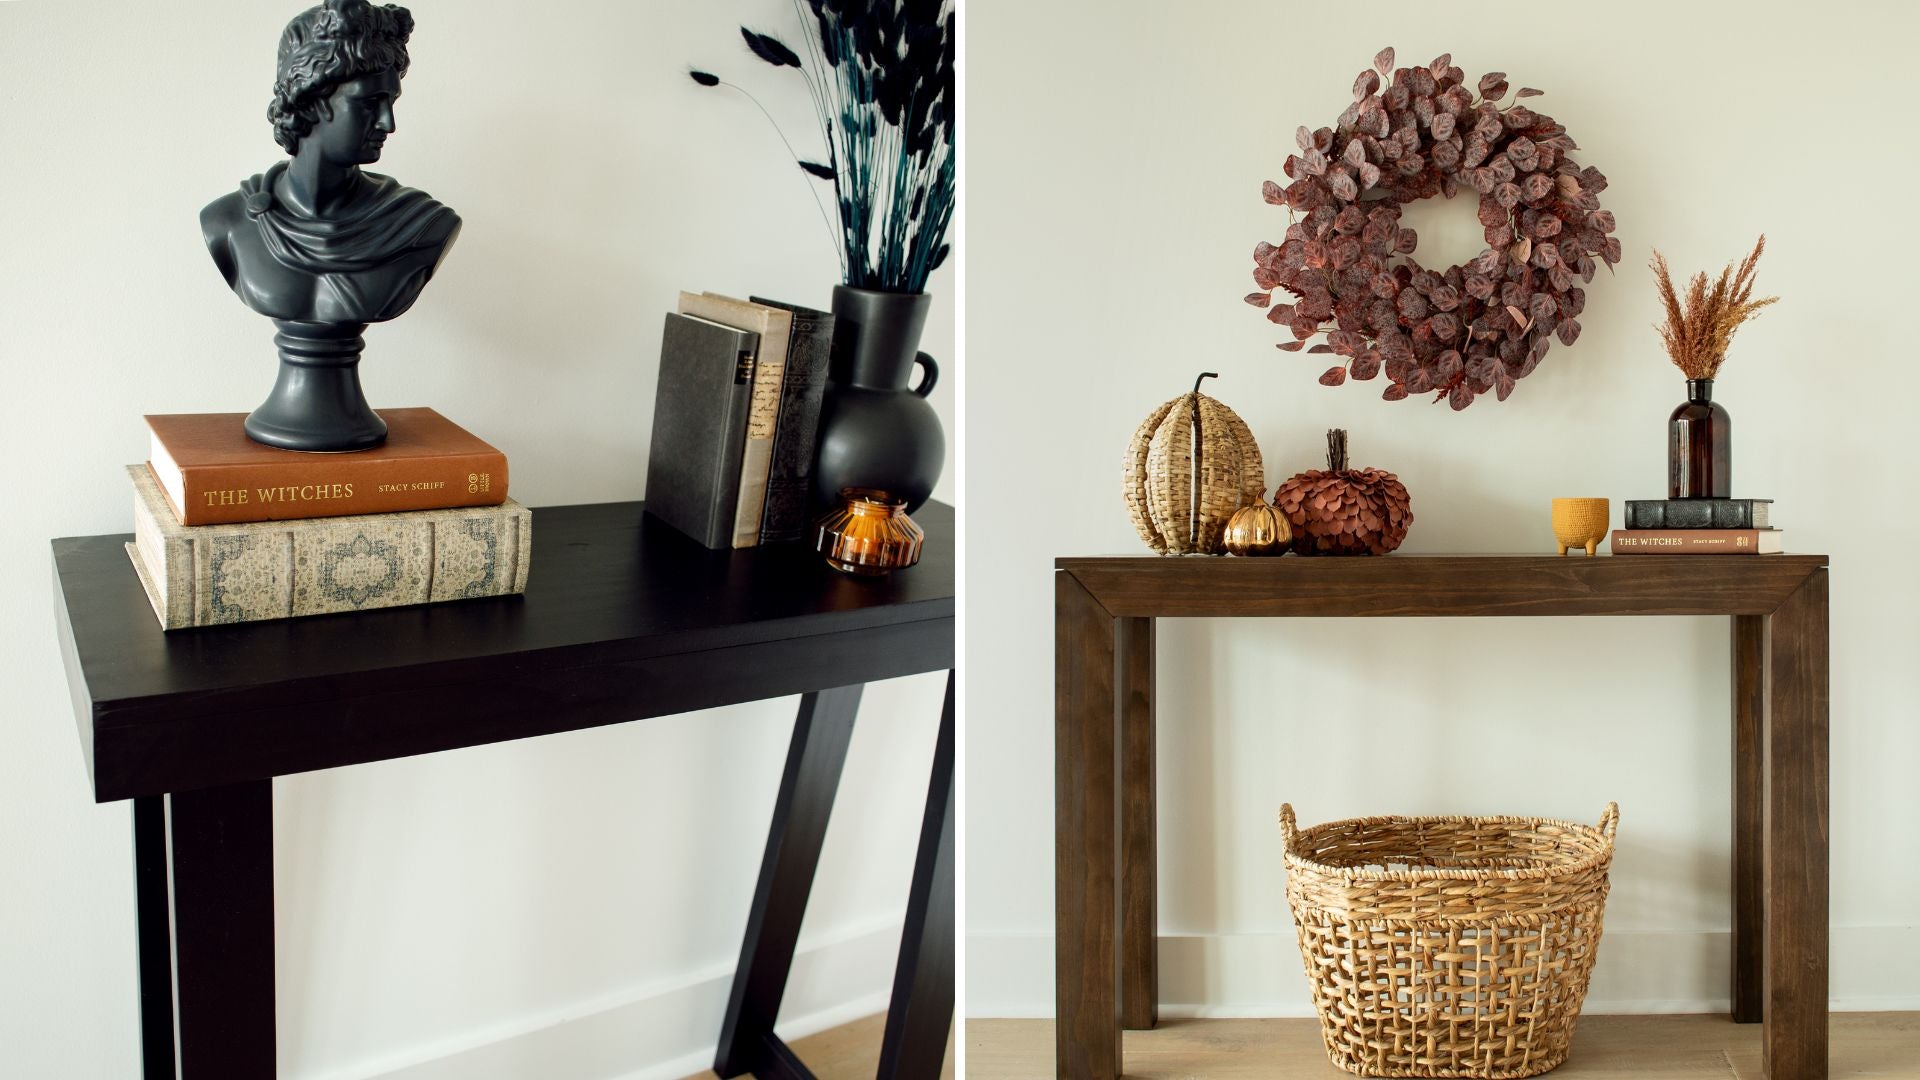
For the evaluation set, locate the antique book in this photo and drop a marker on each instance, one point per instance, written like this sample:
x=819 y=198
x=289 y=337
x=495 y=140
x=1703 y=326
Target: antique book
x=802 y=389
x=211 y=574
x=1698 y=513
x=700 y=408
x=775 y=327
x=1697 y=542
x=212 y=474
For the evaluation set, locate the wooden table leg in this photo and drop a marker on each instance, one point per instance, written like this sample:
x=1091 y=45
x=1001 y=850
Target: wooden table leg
x=222 y=899
x=1086 y=837
x=920 y=1015
x=1794 y=731
x=1749 y=701
x=153 y=915
x=1139 y=858
x=800 y=813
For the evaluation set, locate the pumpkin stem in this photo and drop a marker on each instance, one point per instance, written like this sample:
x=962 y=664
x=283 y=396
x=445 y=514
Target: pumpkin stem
x=1337 y=450
x=1205 y=375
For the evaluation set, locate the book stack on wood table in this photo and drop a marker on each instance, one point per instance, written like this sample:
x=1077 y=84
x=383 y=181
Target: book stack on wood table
x=1698 y=527
x=228 y=530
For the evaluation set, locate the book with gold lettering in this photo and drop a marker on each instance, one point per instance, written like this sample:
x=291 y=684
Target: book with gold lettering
x=212 y=474
x=206 y=575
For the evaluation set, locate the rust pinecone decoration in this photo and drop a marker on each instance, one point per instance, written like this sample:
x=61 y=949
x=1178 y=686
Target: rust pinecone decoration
x=1342 y=511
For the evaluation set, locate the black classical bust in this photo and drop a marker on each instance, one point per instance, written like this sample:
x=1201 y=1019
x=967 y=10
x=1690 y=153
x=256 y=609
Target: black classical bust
x=315 y=243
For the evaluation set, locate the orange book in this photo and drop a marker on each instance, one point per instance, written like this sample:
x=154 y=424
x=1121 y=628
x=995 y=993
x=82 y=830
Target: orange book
x=212 y=474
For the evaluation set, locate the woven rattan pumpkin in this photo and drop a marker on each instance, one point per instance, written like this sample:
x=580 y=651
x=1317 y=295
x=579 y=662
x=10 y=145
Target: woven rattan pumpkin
x=1191 y=464
x=1342 y=511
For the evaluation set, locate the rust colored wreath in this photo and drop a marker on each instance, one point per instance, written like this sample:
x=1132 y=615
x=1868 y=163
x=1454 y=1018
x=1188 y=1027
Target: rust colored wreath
x=1465 y=330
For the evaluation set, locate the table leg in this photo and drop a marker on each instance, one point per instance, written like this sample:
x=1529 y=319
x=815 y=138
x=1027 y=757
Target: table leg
x=152 y=916
x=920 y=1016
x=221 y=853
x=1139 y=859
x=1794 y=733
x=1086 y=837
x=800 y=813
x=1749 y=703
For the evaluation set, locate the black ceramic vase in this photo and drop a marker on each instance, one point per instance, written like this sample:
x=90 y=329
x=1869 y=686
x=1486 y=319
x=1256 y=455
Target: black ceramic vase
x=874 y=431
x=1699 y=446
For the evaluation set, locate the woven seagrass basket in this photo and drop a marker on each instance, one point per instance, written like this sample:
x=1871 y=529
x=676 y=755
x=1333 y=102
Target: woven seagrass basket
x=1448 y=946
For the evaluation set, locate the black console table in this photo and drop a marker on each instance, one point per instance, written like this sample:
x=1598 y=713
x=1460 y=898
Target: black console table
x=623 y=619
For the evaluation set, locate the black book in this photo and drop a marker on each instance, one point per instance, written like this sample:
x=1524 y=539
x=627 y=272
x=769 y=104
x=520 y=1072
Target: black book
x=785 y=517
x=700 y=411
x=1698 y=513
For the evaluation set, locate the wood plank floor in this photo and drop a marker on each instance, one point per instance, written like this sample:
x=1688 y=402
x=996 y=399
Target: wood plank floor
x=1864 y=1046
x=852 y=1051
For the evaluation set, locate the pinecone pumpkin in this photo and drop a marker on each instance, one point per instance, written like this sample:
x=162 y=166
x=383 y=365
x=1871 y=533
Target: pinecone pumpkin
x=1191 y=464
x=1342 y=511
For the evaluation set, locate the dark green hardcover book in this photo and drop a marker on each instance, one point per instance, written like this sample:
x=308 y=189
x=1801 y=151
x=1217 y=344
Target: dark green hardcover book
x=1698 y=513
x=700 y=408
x=805 y=386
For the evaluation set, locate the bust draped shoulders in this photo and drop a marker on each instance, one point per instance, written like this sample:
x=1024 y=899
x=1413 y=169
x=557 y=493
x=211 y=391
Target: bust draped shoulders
x=381 y=224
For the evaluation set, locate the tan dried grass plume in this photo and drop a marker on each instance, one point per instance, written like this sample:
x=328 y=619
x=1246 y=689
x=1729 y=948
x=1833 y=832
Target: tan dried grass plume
x=1698 y=329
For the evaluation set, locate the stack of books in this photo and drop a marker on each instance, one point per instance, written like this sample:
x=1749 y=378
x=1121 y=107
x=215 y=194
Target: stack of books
x=1698 y=527
x=735 y=414
x=228 y=530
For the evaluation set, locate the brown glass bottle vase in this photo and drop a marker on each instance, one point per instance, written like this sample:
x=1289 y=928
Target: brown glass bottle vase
x=1699 y=446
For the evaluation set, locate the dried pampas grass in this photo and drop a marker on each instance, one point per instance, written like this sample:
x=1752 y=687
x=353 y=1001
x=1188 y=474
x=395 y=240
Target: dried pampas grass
x=1698 y=330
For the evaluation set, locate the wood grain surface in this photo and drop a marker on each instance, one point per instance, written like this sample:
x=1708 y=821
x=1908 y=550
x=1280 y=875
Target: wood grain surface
x=1422 y=585
x=623 y=618
x=1866 y=1046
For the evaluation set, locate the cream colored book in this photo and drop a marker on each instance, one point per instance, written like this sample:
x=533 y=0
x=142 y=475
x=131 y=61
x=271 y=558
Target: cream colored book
x=775 y=327
x=207 y=575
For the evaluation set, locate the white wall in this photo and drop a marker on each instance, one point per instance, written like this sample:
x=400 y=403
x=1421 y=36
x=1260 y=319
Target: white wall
x=1116 y=154
x=577 y=901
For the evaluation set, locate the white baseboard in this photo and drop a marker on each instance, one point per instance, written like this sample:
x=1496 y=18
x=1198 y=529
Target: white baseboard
x=658 y=1031
x=1011 y=975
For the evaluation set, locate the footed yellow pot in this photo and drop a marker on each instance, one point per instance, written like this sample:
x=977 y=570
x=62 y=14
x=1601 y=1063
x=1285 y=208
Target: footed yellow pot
x=1580 y=523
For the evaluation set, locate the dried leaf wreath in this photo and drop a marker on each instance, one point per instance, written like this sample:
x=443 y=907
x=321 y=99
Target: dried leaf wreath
x=1459 y=332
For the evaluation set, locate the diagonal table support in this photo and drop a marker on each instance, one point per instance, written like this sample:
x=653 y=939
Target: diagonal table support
x=920 y=1015
x=800 y=814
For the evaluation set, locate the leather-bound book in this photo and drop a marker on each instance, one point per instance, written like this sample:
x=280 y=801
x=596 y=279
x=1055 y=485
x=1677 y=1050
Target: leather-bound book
x=212 y=474
x=700 y=408
x=802 y=389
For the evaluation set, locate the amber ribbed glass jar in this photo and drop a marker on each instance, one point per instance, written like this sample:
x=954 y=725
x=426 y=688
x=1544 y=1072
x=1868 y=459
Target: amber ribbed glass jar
x=868 y=533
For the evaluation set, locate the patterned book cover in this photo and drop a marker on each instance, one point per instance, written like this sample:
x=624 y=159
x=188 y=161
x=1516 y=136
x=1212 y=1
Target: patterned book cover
x=212 y=574
x=802 y=391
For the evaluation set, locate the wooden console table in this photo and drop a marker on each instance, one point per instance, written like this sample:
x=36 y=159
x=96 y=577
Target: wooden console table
x=623 y=619
x=1104 y=612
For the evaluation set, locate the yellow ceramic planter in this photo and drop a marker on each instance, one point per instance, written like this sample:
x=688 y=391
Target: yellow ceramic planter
x=1580 y=523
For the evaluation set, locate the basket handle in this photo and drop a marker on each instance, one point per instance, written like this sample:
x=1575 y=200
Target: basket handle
x=1610 y=821
x=1288 y=827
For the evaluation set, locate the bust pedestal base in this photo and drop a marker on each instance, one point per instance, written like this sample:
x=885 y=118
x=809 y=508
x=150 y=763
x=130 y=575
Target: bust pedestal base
x=316 y=404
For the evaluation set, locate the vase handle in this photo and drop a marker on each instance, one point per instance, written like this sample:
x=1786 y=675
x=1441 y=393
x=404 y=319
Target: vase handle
x=931 y=374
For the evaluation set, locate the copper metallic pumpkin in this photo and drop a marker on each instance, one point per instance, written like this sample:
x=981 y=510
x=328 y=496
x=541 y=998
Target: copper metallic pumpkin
x=1258 y=529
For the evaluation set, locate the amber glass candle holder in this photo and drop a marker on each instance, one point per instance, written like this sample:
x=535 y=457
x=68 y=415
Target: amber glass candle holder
x=869 y=534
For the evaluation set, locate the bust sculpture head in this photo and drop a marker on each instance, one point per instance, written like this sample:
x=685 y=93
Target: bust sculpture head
x=339 y=71
x=316 y=243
